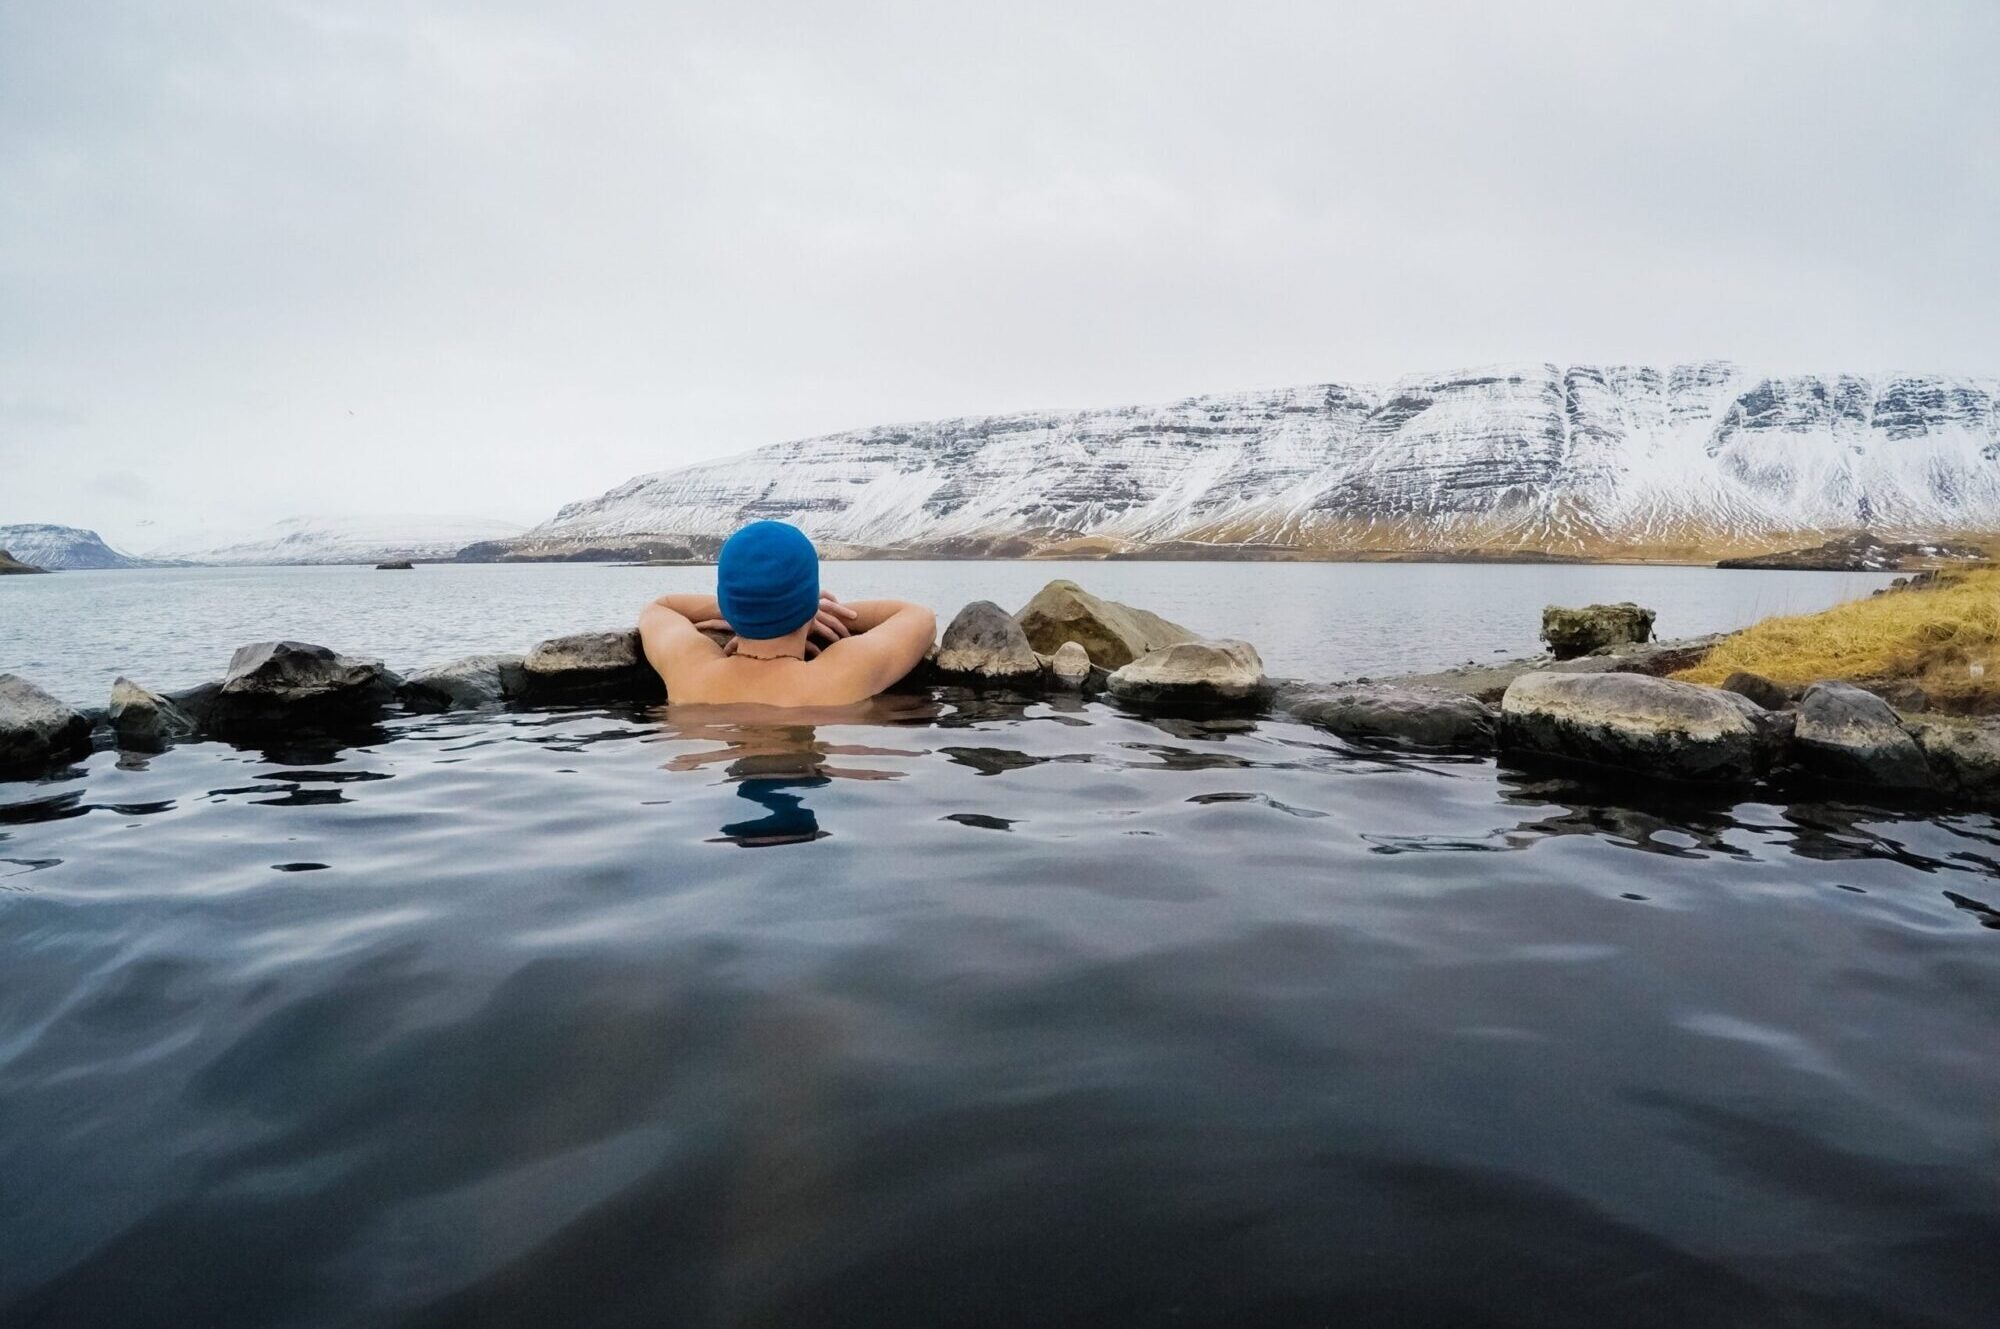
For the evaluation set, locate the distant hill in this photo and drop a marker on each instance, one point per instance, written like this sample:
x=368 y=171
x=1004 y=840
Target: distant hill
x=371 y=539
x=63 y=548
x=10 y=565
x=1679 y=463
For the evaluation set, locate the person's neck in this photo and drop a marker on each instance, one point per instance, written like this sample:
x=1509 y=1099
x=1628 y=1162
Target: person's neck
x=773 y=648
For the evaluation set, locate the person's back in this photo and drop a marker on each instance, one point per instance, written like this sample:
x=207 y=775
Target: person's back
x=792 y=645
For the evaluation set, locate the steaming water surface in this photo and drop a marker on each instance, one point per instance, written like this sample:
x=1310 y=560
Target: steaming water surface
x=962 y=1010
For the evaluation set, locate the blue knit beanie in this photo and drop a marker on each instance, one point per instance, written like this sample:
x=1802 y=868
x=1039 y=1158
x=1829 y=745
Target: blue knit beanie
x=767 y=580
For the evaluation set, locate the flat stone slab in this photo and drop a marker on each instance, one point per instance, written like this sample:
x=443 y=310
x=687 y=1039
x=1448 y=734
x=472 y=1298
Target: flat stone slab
x=1652 y=727
x=1488 y=682
x=1200 y=673
x=1422 y=717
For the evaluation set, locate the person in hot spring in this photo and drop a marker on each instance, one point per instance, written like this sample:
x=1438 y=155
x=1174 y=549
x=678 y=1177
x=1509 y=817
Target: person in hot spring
x=792 y=644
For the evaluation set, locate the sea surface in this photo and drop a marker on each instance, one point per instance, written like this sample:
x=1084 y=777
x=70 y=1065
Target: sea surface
x=75 y=632
x=976 y=1010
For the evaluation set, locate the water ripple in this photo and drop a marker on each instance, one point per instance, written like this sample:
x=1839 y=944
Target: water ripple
x=975 y=1009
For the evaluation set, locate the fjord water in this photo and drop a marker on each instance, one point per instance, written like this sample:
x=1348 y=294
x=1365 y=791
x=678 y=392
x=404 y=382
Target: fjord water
x=173 y=627
x=958 y=1010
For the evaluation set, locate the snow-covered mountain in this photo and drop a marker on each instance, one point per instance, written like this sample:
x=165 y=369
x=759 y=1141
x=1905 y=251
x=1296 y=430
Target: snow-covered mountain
x=343 y=540
x=63 y=548
x=1687 y=461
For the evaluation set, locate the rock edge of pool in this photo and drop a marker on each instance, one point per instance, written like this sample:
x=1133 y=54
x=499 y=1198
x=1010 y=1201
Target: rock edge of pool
x=1600 y=703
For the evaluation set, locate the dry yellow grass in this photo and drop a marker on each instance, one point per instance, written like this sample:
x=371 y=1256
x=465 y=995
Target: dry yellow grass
x=1945 y=638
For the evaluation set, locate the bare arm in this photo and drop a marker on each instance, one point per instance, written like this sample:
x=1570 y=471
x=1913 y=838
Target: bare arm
x=669 y=637
x=890 y=637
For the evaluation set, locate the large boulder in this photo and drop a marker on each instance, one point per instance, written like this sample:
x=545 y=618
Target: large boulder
x=284 y=682
x=590 y=666
x=1193 y=673
x=1636 y=723
x=984 y=642
x=36 y=730
x=1963 y=756
x=1846 y=735
x=1112 y=635
x=467 y=683
x=1421 y=717
x=1574 y=632
x=143 y=719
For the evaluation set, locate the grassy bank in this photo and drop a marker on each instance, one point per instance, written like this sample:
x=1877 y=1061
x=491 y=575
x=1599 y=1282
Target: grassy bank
x=1945 y=638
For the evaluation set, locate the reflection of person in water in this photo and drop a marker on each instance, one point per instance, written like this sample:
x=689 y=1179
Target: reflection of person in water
x=771 y=765
x=786 y=820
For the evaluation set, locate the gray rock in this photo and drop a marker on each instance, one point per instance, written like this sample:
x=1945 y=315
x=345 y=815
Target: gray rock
x=1846 y=735
x=1766 y=693
x=1900 y=693
x=36 y=730
x=1488 y=681
x=1112 y=634
x=467 y=683
x=280 y=682
x=590 y=666
x=1422 y=717
x=1200 y=673
x=143 y=719
x=984 y=642
x=1963 y=756
x=1574 y=632
x=1069 y=667
x=197 y=702
x=1647 y=726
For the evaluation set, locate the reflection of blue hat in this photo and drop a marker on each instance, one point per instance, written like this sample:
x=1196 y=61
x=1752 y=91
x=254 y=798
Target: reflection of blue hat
x=767 y=580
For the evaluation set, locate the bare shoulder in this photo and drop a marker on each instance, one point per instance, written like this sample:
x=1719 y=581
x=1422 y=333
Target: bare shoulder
x=862 y=665
x=671 y=643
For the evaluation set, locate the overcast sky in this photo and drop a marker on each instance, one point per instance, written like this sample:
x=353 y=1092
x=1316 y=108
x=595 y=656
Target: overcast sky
x=260 y=259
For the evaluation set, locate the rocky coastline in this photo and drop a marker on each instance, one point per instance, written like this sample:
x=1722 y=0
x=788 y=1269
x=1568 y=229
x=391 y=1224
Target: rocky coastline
x=1599 y=702
x=1864 y=551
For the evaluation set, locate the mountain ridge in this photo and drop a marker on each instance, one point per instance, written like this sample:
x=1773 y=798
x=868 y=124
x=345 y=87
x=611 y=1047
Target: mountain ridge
x=57 y=548
x=315 y=540
x=1685 y=462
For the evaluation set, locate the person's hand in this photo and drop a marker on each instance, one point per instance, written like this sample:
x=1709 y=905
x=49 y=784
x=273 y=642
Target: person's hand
x=708 y=626
x=831 y=622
